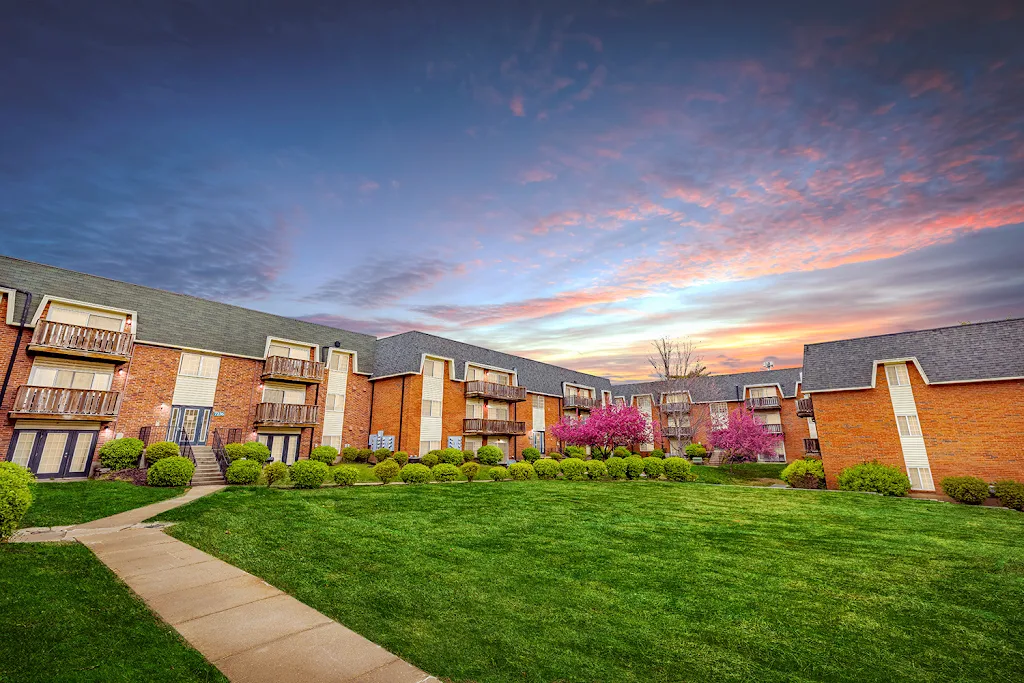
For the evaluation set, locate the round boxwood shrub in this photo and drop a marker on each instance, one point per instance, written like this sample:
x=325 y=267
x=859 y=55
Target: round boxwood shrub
x=414 y=473
x=695 y=450
x=490 y=455
x=160 y=450
x=807 y=473
x=387 y=470
x=497 y=473
x=254 y=450
x=430 y=459
x=470 y=470
x=451 y=456
x=364 y=455
x=121 y=454
x=875 y=477
x=573 y=452
x=574 y=469
x=678 y=469
x=969 y=490
x=596 y=469
x=521 y=471
x=345 y=475
x=1010 y=493
x=468 y=455
x=547 y=468
x=634 y=466
x=616 y=467
x=308 y=474
x=350 y=454
x=245 y=471
x=621 y=452
x=382 y=454
x=653 y=467
x=324 y=454
x=15 y=497
x=657 y=453
x=445 y=472
x=275 y=472
x=235 y=451
x=531 y=454
x=401 y=457
x=172 y=471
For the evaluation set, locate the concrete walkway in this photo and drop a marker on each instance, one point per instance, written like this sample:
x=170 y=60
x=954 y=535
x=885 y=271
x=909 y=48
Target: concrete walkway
x=248 y=629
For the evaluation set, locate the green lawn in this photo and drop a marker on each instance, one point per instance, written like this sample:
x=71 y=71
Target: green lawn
x=64 y=503
x=66 y=617
x=743 y=474
x=641 y=581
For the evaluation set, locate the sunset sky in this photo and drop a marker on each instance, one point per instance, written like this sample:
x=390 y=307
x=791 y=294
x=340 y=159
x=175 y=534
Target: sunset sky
x=566 y=181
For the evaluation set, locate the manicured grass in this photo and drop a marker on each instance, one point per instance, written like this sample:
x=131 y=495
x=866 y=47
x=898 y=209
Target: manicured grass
x=641 y=581
x=66 y=617
x=64 y=503
x=742 y=474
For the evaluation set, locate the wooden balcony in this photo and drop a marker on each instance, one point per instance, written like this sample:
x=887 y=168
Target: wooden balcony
x=581 y=402
x=677 y=432
x=479 y=426
x=804 y=407
x=81 y=342
x=58 y=403
x=287 y=414
x=773 y=429
x=492 y=390
x=293 y=370
x=812 y=447
x=674 y=408
x=763 y=403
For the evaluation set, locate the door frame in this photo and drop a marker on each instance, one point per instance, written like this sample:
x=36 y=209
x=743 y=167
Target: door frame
x=66 y=457
x=175 y=424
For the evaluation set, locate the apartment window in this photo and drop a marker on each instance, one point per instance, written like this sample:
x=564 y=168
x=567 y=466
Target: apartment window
x=538 y=402
x=643 y=403
x=431 y=409
x=474 y=373
x=675 y=397
x=920 y=478
x=334 y=402
x=475 y=409
x=75 y=316
x=473 y=444
x=433 y=368
x=292 y=396
x=301 y=353
x=497 y=411
x=499 y=377
x=334 y=441
x=196 y=365
x=719 y=415
x=908 y=425
x=897 y=375
x=339 y=361
x=761 y=392
x=620 y=400
x=43 y=376
x=427 y=446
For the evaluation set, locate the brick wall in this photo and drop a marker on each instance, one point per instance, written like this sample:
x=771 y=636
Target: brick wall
x=238 y=392
x=794 y=429
x=146 y=402
x=356 y=428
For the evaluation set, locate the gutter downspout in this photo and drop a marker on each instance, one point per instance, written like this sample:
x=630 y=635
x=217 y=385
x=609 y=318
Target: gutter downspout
x=17 y=340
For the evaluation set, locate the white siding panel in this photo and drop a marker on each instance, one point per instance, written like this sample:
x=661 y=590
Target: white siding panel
x=333 y=422
x=433 y=390
x=337 y=383
x=194 y=391
x=430 y=429
x=914 y=453
x=903 y=400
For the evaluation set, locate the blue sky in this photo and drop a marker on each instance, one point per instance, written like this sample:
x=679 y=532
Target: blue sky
x=563 y=180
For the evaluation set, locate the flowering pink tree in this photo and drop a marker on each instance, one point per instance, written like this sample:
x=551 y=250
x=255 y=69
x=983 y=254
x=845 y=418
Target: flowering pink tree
x=745 y=438
x=607 y=427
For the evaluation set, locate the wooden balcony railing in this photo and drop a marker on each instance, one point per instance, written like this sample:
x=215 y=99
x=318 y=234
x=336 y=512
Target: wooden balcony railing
x=674 y=408
x=773 y=429
x=83 y=342
x=811 y=446
x=677 y=432
x=67 y=404
x=287 y=414
x=763 y=403
x=293 y=370
x=804 y=407
x=581 y=402
x=476 y=425
x=500 y=392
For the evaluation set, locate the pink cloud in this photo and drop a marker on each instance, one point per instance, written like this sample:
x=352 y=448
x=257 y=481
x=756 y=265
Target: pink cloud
x=536 y=175
x=921 y=82
x=516 y=105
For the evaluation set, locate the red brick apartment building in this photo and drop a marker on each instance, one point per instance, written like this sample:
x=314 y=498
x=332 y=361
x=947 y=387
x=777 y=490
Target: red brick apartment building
x=941 y=402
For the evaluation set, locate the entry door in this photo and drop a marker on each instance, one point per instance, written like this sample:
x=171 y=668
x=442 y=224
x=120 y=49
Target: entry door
x=283 y=447
x=194 y=421
x=51 y=453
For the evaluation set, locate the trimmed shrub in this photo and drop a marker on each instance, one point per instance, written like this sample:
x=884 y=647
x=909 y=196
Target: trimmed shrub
x=574 y=469
x=521 y=471
x=596 y=469
x=616 y=467
x=445 y=472
x=653 y=467
x=621 y=452
x=15 y=497
x=489 y=455
x=634 y=466
x=401 y=457
x=807 y=473
x=430 y=459
x=574 y=452
x=969 y=490
x=657 y=453
x=275 y=472
x=172 y=471
x=235 y=451
x=345 y=475
x=245 y=471
x=382 y=454
x=678 y=469
x=120 y=454
x=875 y=477
x=498 y=473
x=467 y=456
x=350 y=454
x=387 y=470
x=531 y=454
x=555 y=455
x=324 y=454
x=160 y=450
x=451 y=456
x=254 y=450
x=1010 y=493
x=415 y=473
x=547 y=468
x=308 y=474
x=470 y=470
x=364 y=455
x=695 y=450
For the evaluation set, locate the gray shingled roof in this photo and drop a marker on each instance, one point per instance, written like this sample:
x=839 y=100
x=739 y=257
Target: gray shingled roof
x=964 y=353
x=716 y=387
x=177 y=319
x=402 y=353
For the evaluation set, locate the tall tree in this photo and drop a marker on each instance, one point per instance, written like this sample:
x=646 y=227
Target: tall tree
x=679 y=364
x=744 y=438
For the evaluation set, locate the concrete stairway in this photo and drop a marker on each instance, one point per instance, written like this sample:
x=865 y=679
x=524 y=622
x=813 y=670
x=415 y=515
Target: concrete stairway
x=207 y=471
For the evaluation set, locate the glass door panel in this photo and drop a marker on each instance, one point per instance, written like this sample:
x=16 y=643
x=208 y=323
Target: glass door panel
x=52 y=455
x=23 y=448
x=80 y=454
